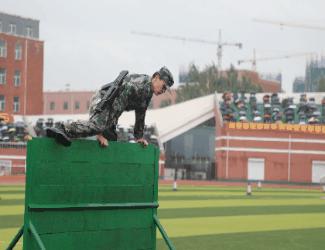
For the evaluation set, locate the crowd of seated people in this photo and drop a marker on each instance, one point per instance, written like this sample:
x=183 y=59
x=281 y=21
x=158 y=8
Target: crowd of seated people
x=236 y=107
x=13 y=132
x=18 y=132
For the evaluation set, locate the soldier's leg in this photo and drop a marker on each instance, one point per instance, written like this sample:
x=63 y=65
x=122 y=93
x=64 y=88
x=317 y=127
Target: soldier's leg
x=116 y=110
x=84 y=128
x=110 y=133
x=94 y=126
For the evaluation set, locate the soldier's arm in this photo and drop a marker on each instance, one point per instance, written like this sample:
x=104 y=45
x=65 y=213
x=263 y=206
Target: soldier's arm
x=140 y=115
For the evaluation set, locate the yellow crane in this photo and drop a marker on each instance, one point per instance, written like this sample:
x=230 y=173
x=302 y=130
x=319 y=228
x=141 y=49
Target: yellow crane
x=219 y=43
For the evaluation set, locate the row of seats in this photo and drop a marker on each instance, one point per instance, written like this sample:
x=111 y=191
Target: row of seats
x=17 y=132
x=124 y=134
x=236 y=107
x=13 y=132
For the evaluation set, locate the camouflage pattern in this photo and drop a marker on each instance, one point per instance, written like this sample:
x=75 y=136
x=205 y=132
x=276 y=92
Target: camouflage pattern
x=135 y=94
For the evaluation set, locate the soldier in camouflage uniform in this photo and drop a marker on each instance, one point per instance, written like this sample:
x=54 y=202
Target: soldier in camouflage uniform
x=135 y=94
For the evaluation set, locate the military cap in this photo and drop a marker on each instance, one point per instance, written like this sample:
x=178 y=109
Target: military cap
x=276 y=110
x=243 y=118
x=242 y=113
x=257 y=119
x=167 y=76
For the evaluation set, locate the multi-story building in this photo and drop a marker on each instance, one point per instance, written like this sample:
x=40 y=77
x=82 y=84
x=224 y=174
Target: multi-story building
x=21 y=66
x=200 y=142
x=315 y=71
x=67 y=102
x=276 y=151
x=265 y=81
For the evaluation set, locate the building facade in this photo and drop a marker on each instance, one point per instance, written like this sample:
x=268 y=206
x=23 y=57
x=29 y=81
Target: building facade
x=21 y=66
x=67 y=102
x=201 y=144
x=267 y=85
x=284 y=153
x=315 y=71
x=77 y=102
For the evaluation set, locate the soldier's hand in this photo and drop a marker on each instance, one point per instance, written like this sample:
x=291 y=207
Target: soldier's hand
x=143 y=142
x=102 y=140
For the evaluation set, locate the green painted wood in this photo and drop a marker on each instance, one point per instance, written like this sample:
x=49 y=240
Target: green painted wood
x=16 y=239
x=87 y=197
x=163 y=233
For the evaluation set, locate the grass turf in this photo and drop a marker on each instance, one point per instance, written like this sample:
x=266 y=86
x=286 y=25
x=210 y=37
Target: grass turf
x=216 y=217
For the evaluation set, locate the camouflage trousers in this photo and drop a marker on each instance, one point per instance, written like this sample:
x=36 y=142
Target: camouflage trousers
x=103 y=122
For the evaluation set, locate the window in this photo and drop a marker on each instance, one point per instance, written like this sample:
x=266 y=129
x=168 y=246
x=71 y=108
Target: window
x=2 y=76
x=65 y=105
x=3 y=48
x=2 y=103
x=88 y=105
x=12 y=28
x=16 y=103
x=52 y=105
x=17 y=78
x=29 y=31
x=18 y=51
x=0 y=26
x=77 y=105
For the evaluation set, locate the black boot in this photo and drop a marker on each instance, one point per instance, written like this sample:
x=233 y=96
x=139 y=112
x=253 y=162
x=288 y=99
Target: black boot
x=59 y=135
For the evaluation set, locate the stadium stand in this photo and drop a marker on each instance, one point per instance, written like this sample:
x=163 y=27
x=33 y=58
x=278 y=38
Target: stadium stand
x=12 y=133
x=271 y=109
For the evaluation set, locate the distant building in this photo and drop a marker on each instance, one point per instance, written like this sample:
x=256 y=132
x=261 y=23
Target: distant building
x=67 y=102
x=268 y=85
x=315 y=71
x=21 y=66
x=78 y=102
x=271 y=83
x=299 y=85
x=276 y=77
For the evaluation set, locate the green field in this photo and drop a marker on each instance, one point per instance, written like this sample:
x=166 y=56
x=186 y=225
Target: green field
x=216 y=217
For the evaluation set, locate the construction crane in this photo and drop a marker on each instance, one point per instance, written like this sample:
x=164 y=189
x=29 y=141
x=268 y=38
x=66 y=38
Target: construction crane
x=290 y=24
x=254 y=59
x=219 y=43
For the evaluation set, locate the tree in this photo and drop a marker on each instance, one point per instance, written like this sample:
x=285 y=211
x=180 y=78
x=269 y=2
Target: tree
x=209 y=80
x=321 y=85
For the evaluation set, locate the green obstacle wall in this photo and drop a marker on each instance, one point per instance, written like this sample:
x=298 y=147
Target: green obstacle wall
x=87 y=197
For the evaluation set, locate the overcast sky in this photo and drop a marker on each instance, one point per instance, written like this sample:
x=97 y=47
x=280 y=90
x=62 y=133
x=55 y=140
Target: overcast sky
x=88 y=42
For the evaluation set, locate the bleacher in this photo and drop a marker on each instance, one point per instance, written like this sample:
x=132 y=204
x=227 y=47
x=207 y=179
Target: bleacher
x=272 y=109
x=16 y=134
x=13 y=132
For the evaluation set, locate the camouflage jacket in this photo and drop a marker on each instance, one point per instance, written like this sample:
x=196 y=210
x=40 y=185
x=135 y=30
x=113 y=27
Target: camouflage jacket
x=135 y=95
